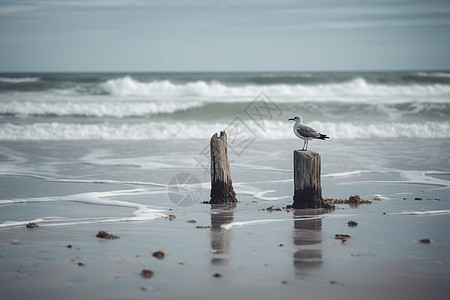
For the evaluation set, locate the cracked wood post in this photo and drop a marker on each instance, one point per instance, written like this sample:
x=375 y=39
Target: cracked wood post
x=307 y=185
x=221 y=185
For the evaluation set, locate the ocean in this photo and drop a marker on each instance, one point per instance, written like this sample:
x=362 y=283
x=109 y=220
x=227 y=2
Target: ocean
x=161 y=106
x=129 y=153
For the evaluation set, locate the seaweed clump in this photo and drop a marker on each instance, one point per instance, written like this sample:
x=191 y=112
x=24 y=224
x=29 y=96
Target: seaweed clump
x=107 y=236
x=353 y=201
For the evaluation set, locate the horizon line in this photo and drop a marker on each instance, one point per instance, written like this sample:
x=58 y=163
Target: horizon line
x=229 y=71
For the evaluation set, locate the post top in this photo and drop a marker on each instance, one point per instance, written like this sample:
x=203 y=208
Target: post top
x=305 y=153
x=223 y=135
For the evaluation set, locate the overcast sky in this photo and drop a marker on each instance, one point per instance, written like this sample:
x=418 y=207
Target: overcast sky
x=229 y=35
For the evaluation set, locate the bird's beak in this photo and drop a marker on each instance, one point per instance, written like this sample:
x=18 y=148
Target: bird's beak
x=291 y=119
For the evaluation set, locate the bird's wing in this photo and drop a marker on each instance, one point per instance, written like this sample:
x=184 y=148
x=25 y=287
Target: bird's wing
x=307 y=132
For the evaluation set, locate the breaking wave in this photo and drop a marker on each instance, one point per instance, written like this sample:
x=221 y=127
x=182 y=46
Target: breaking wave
x=19 y=79
x=118 y=109
x=193 y=130
x=184 y=106
x=357 y=87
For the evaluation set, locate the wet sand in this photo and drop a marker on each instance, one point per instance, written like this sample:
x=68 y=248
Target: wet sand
x=244 y=251
x=287 y=253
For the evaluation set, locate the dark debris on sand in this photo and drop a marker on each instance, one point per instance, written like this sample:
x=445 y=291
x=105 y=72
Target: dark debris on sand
x=352 y=201
x=159 y=254
x=342 y=237
x=352 y=223
x=171 y=217
x=146 y=273
x=272 y=208
x=333 y=282
x=107 y=236
x=425 y=241
x=32 y=225
x=287 y=208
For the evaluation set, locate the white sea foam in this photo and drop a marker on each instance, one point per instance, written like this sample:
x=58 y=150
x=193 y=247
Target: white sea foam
x=193 y=130
x=141 y=212
x=254 y=222
x=357 y=87
x=18 y=79
x=297 y=218
x=422 y=212
x=117 y=109
x=128 y=86
x=94 y=181
x=20 y=223
x=262 y=196
x=433 y=74
x=104 y=131
x=411 y=177
x=424 y=177
x=379 y=197
x=345 y=174
x=384 y=130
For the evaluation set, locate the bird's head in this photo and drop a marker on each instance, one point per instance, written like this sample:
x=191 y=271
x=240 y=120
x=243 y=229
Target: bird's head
x=296 y=119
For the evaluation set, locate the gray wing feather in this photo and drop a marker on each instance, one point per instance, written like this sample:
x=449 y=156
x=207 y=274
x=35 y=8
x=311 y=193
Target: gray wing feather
x=307 y=132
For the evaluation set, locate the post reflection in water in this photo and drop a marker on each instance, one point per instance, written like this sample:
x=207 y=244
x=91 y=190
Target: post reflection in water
x=307 y=240
x=221 y=238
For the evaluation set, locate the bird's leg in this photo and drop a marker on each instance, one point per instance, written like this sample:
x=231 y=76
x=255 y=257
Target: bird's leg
x=304 y=144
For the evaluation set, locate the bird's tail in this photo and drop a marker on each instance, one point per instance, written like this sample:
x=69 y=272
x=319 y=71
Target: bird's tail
x=323 y=136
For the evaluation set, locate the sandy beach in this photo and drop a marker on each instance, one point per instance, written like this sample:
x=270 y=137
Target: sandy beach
x=255 y=249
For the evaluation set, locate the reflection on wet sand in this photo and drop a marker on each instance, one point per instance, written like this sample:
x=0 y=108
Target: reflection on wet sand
x=220 y=238
x=307 y=240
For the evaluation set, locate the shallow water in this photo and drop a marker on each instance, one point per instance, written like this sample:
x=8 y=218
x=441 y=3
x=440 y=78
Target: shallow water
x=99 y=173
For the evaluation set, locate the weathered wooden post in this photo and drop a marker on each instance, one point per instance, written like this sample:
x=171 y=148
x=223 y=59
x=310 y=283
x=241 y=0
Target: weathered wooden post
x=221 y=185
x=307 y=185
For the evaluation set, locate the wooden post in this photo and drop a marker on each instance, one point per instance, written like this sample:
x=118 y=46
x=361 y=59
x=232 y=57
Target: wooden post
x=307 y=185
x=221 y=185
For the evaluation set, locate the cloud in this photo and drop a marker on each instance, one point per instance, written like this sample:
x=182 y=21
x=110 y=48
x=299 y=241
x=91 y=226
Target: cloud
x=365 y=15
x=367 y=24
x=91 y=4
x=14 y=9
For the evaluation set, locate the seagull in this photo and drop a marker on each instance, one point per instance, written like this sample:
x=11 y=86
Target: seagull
x=306 y=133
